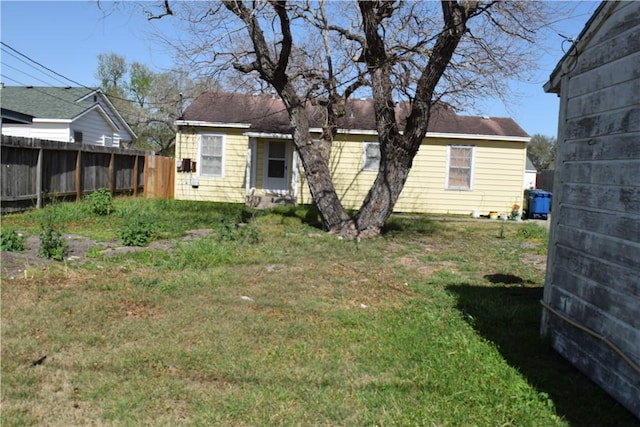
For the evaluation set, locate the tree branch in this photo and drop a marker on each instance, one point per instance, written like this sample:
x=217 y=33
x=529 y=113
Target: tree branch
x=167 y=11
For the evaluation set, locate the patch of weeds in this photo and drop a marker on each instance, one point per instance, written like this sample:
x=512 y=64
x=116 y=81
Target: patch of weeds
x=532 y=231
x=52 y=244
x=100 y=202
x=397 y=225
x=11 y=240
x=245 y=233
x=501 y=234
x=144 y=282
x=94 y=252
x=139 y=231
x=202 y=254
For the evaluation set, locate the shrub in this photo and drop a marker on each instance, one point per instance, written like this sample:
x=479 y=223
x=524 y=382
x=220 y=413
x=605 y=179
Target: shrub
x=100 y=202
x=52 y=244
x=11 y=241
x=140 y=231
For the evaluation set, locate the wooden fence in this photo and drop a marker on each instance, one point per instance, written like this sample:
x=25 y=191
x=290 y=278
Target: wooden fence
x=159 y=176
x=34 y=171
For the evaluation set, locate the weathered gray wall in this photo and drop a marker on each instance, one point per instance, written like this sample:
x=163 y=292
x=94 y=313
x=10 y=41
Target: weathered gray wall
x=593 y=273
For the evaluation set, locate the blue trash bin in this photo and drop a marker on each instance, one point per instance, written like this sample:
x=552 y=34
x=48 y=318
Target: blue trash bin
x=537 y=204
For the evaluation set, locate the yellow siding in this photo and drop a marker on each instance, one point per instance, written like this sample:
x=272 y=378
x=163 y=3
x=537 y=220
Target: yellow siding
x=231 y=186
x=498 y=172
x=496 y=182
x=496 y=186
x=351 y=182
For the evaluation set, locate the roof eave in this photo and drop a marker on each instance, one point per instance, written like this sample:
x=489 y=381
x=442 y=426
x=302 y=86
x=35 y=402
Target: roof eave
x=567 y=62
x=47 y=120
x=115 y=111
x=202 y=123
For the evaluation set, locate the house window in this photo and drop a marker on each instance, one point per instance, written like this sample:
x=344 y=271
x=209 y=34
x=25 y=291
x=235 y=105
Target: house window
x=211 y=155
x=77 y=137
x=371 y=156
x=459 y=167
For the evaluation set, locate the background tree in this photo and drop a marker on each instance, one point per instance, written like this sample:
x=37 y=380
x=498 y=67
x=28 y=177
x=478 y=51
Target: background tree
x=150 y=102
x=423 y=52
x=542 y=151
x=112 y=69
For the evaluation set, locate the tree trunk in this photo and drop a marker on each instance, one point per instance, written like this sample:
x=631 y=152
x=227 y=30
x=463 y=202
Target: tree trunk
x=314 y=156
x=398 y=151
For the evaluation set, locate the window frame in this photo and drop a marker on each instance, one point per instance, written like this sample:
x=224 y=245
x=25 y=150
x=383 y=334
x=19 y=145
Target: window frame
x=77 y=136
x=471 y=168
x=200 y=167
x=366 y=144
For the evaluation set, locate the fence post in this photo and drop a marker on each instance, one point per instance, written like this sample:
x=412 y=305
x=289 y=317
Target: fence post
x=39 y=179
x=79 y=174
x=111 y=173
x=135 y=175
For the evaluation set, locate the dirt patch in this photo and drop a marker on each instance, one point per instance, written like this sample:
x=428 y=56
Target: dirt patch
x=18 y=264
x=538 y=261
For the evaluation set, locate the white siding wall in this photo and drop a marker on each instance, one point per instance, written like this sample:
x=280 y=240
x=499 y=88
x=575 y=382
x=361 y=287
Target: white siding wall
x=95 y=130
x=23 y=131
x=51 y=131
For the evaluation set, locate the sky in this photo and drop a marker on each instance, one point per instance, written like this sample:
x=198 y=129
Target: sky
x=66 y=37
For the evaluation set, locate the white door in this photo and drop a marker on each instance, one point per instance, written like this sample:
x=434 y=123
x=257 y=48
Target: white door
x=276 y=167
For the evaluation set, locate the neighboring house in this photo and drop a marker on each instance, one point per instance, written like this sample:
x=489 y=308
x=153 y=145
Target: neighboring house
x=66 y=114
x=530 y=175
x=592 y=287
x=237 y=148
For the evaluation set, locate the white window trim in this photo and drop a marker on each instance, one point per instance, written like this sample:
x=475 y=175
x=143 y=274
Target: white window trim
x=265 y=168
x=199 y=156
x=473 y=163
x=364 y=156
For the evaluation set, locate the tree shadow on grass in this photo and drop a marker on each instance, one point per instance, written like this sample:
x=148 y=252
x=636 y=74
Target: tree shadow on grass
x=507 y=313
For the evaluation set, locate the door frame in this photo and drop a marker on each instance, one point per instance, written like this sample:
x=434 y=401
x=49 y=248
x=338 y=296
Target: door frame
x=287 y=167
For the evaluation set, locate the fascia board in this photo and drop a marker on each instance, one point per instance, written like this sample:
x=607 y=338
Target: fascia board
x=212 y=124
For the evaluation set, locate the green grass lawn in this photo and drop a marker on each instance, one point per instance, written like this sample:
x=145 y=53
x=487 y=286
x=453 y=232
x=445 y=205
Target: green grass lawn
x=434 y=323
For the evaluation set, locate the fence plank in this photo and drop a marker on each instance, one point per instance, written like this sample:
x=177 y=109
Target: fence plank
x=159 y=177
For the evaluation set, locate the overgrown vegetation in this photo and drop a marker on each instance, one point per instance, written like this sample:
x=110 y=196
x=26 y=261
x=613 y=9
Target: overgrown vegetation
x=52 y=243
x=11 y=240
x=432 y=323
x=139 y=230
x=100 y=202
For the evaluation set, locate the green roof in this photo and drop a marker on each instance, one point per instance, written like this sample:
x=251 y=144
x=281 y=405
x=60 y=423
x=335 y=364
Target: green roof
x=47 y=102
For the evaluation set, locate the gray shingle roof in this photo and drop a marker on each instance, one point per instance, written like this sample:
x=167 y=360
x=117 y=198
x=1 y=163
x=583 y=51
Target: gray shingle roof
x=266 y=113
x=46 y=102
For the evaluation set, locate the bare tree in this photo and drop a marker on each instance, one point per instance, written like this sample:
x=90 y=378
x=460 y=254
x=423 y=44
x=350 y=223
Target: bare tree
x=422 y=52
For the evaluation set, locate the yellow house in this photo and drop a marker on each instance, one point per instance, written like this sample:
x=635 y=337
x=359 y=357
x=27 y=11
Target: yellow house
x=238 y=148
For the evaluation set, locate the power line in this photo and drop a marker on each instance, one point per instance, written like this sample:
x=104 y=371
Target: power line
x=29 y=65
x=4 y=76
x=27 y=74
x=46 y=68
x=64 y=77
